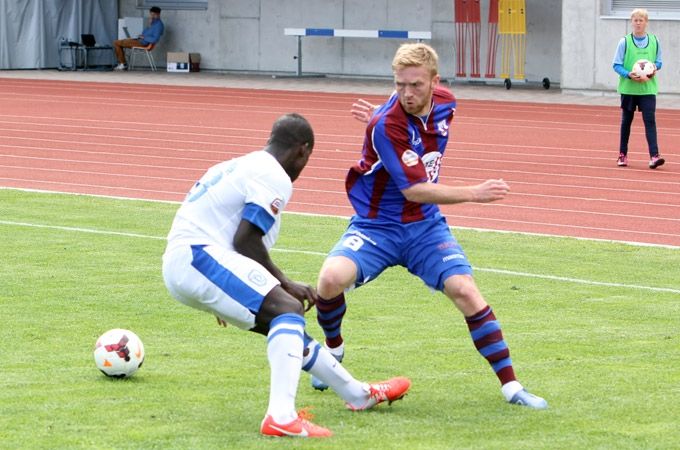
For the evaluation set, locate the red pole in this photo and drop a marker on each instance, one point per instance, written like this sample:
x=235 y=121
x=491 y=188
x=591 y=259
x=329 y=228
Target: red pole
x=475 y=23
x=493 y=40
x=460 y=19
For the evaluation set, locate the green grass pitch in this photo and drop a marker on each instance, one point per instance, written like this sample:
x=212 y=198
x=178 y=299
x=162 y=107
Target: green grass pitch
x=594 y=327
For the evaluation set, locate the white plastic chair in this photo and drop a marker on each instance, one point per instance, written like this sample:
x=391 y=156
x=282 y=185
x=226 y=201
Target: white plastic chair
x=143 y=50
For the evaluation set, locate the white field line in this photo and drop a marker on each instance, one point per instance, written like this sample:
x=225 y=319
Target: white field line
x=320 y=254
x=349 y=209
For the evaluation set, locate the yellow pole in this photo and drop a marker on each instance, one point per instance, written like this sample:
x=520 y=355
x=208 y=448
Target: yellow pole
x=521 y=32
x=512 y=34
x=504 y=16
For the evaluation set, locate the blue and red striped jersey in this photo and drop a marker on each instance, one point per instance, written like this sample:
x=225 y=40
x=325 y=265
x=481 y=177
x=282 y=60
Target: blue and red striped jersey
x=399 y=151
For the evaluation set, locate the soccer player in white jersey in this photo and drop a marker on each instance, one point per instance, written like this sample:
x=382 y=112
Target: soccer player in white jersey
x=217 y=260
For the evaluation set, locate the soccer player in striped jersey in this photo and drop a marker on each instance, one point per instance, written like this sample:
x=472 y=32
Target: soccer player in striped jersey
x=217 y=261
x=395 y=193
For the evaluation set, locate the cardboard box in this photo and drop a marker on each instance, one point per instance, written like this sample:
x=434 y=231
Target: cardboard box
x=178 y=62
x=195 y=62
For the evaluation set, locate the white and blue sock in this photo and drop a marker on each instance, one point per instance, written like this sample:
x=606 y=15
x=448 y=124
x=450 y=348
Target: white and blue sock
x=320 y=363
x=284 y=351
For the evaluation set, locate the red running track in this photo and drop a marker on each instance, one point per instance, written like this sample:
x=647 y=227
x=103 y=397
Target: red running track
x=153 y=142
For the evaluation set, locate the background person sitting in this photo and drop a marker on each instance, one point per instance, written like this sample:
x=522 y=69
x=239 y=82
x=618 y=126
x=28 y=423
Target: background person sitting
x=150 y=35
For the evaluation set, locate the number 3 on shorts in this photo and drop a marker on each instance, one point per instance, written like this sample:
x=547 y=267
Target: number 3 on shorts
x=354 y=243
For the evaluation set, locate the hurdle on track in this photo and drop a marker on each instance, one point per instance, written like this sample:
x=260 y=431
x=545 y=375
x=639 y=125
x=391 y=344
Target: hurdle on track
x=343 y=33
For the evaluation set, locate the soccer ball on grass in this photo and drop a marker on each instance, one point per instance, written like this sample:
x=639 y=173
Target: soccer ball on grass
x=119 y=353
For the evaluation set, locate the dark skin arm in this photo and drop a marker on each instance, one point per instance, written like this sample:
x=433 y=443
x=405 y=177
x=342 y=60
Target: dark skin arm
x=290 y=296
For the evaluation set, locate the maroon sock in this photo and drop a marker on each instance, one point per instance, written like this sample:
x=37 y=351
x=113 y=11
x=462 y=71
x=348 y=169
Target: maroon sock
x=488 y=339
x=329 y=314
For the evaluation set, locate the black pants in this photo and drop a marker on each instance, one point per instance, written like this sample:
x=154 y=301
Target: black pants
x=647 y=105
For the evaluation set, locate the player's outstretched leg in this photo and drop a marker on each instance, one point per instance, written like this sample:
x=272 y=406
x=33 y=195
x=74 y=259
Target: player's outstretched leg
x=358 y=396
x=338 y=354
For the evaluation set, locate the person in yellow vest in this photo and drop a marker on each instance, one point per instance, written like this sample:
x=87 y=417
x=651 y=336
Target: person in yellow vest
x=638 y=92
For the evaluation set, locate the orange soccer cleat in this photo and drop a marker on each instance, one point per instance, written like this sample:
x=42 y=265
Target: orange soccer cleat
x=300 y=427
x=384 y=391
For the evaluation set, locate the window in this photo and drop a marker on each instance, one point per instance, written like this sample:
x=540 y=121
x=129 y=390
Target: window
x=657 y=9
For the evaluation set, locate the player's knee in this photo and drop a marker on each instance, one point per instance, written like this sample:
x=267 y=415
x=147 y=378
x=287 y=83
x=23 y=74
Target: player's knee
x=296 y=308
x=279 y=302
x=335 y=277
x=462 y=290
x=290 y=305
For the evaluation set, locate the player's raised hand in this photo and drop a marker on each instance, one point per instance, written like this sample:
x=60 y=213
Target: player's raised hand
x=490 y=191
x=301 y=291
x=362 y=110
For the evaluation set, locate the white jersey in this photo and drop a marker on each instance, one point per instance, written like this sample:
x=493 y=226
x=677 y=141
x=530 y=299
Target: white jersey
x=213 y=209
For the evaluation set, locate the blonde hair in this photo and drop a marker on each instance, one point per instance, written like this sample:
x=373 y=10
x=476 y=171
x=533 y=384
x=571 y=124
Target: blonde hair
x=414 y=55
x=640 y=12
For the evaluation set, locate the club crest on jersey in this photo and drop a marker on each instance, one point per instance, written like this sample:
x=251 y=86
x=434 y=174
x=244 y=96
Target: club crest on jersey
x=442 y=128
x=257 y=278
x=276 y=206
x=410 y=158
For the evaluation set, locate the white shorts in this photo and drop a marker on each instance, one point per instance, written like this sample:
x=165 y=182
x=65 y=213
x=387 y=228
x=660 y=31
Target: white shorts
x=220 y=281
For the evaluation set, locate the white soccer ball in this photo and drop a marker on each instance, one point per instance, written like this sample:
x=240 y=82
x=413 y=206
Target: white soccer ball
x=119 y=353
x=643 y=67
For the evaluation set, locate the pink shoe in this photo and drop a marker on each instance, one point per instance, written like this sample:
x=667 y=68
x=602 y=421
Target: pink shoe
x=656 y=161
x=622 y=161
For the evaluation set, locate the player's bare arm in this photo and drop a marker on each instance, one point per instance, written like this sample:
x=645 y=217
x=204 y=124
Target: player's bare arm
x=248 y=242
x=441 y=194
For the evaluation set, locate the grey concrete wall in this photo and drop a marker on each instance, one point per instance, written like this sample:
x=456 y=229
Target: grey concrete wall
x=247 y=35
x=591 y=39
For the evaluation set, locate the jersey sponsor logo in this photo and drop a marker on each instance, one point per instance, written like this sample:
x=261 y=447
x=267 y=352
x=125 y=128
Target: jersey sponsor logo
x=363 y=236
x=276 y=206
x=450 y=257
x=257 y=277
x=445 y=245
x=442 y=128
x=409 y=158
x=432 y=162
